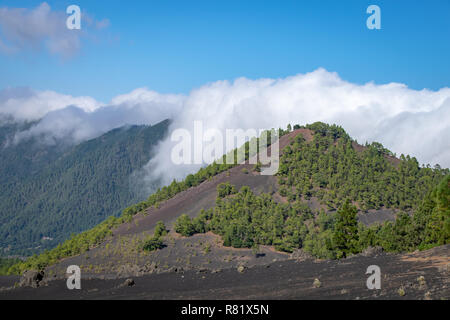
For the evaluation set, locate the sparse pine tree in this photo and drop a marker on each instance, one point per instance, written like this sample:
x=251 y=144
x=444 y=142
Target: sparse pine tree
x=345 y=236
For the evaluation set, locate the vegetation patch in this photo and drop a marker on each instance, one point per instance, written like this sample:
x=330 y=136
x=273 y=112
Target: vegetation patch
x=328 y=167
x=155 y=242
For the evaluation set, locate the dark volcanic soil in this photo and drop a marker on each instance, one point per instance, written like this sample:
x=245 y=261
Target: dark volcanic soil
x=345 y=279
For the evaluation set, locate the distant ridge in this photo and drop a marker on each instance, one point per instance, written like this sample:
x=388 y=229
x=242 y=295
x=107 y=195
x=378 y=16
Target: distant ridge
x=49 y=192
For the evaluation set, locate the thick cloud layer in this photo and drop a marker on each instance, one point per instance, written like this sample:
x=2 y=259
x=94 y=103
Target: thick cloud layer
x=75 y=119
x=22 y=29
x=25 y=104
x=406 y=121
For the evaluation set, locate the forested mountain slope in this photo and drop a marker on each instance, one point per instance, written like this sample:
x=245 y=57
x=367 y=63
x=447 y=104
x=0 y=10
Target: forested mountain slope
x=345 y=178
x=50 y=192
x=325 y=180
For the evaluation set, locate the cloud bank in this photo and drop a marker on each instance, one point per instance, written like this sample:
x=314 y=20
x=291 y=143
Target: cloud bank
x=23 y=29
x=76 y=119
x=415 y=122
x=25 y=104
x=406 y=121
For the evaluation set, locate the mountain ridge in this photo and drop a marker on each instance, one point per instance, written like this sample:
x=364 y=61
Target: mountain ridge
x=117 y=242
x=76 y=188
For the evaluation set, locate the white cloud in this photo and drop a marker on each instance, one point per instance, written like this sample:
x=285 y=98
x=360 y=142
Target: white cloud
x=404 y=120
x=415 y=122
x=22 y=29
x=76 y=119
x=25 y=104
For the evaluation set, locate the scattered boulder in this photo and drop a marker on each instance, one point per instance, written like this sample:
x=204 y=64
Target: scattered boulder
x=372 y=251
x=153 y=267
x=132 y=270
x=129 y=283
x=31 y=279
x=300 y=255
x=175 y=269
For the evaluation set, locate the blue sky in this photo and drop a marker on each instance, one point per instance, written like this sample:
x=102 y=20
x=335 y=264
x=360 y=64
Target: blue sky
x=176 y=46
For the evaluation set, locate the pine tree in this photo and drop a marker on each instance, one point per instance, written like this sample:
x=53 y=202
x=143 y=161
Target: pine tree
x=345 y=236
x=184 y=226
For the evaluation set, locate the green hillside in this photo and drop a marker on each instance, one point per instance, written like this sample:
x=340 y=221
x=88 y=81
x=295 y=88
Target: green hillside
x=345 y=178
x=54 y=191
x=341 y=175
